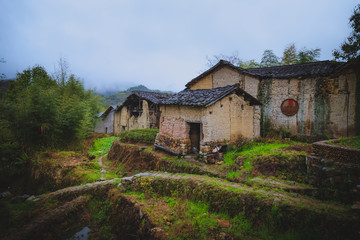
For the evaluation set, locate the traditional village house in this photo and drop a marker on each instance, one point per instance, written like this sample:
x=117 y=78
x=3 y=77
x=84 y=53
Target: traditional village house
x=139 y=110
x=105 y=122
x=199 y=119
x=311 y=99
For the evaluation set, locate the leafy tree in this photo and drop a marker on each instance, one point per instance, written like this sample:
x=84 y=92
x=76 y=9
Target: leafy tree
x=40 y=112
x=306 y=56
x=249 y=64
x=350 y=49
x=269 y=59
x=289 y=55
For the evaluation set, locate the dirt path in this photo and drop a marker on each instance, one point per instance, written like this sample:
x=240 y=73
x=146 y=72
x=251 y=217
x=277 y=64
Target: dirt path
x=102 y=170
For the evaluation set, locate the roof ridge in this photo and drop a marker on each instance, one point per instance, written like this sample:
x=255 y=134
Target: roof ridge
x=297 y=64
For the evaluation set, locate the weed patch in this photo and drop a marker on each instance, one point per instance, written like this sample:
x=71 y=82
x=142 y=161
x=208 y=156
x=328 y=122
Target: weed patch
x=353 y=142
x=139 y=135
x=101 y=146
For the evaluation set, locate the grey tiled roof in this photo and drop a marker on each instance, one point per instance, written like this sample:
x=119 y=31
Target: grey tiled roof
x=323 y=68
x=206 y=97
x=154 y=97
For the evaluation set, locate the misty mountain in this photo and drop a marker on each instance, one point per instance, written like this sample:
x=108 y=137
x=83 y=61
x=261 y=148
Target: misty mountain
x=116 y=98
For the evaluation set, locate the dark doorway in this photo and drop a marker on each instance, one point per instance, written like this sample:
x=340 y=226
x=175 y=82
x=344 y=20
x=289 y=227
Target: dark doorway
x=195 y=137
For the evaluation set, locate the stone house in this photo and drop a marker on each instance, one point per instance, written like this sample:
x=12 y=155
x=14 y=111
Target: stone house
x=198 y=119
x=105 y=121
x=311 y=99
x=139 y=110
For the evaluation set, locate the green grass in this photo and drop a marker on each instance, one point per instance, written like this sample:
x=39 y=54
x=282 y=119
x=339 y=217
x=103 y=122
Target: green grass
x=139 y=135
x=255 y=150
x=100 y=213
x=101 y=146
x=353 y=142
x=233 y=175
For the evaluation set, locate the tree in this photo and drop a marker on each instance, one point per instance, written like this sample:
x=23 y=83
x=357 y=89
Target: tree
x=233 y=59
x=249 y=64
x=306 y=56
x=269 y=59
x=350 y=49
x=61 y=73
x=2 y=75
x=289 y=55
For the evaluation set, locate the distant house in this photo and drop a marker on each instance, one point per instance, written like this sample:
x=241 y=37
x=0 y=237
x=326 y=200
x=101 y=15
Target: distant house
x=139 y=110
x=105 y=122
x=198 y=119
x=311 y=99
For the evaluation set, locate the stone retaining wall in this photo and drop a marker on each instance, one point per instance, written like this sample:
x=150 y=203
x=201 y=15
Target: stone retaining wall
x=335 y=171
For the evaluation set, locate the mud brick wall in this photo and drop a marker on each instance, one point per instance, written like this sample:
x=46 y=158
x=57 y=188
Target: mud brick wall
x=173 y=144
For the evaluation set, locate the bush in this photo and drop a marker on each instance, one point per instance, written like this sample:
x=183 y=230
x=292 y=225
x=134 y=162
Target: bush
x=139 y=135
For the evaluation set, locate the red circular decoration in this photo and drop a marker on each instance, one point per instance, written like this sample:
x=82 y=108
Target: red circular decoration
x=289 y=107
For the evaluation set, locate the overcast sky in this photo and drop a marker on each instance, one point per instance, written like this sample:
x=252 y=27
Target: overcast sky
x=162 y=44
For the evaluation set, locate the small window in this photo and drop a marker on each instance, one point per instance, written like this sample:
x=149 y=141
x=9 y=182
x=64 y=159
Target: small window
x=242 y=107
x=210 y=112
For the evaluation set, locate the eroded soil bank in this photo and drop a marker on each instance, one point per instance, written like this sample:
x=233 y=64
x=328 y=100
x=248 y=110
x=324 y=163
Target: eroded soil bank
x=150 y=205
x=135 y=192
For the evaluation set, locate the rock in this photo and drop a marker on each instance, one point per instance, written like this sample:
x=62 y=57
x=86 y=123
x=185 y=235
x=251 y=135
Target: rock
x=19 y=199
x=33 y=198
x=30 y=198
x=6 y=194
x=141 y=214
x=142 y=148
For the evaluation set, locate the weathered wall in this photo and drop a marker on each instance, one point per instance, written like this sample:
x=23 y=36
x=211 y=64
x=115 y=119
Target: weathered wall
x=123 y=121
x=223 y=121
x=105 y=125
x=251 y=85
x=326 y=105
x=142 y=121
x=241 y=118
x=220 y=78
x=226 y=76
x=205 y=83
x=173 y=120
x=342 y=104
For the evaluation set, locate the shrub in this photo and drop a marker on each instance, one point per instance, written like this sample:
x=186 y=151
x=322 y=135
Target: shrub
x=139 y=135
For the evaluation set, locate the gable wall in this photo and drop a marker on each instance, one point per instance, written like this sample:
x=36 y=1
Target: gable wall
x=326 y=105
x=107 y=122
x=226 y=76
x=142 y=121
x=223 y=121
x=204 y=83
x=251 y=85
